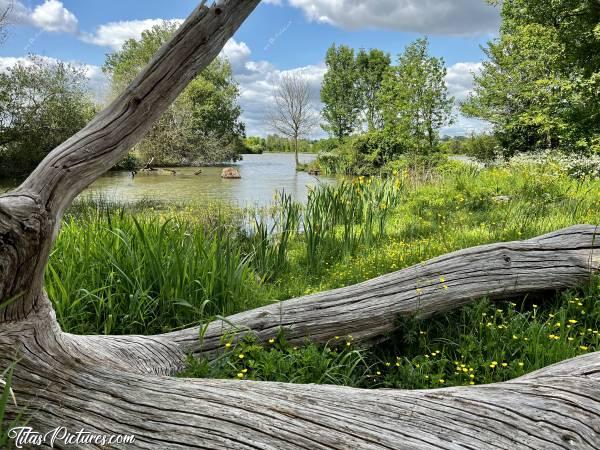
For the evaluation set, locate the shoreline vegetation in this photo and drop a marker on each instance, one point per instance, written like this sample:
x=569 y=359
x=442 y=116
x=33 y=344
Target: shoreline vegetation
x=152 y=268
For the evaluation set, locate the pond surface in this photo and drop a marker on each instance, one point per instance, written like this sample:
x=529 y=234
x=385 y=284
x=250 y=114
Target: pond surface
x=262 y=176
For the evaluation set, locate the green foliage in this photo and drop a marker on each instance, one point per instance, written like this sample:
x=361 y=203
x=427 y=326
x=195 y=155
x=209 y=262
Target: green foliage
x=130 y=163
x=42 y=103
x=453 y=145
x=10 y=415
x=146 y=272
x=541 y=85
x=478 y=344
x=255 y=145
x=151 y=268
x=271 y=238
x=277 y=144
x=484 y=148
x=339 y=92
x=415 y=98
x=339 y=219
x=125 y=65
x=372 y=67
x=404 y=107
x=364 y=154
x=278 y=361
x=203 y=125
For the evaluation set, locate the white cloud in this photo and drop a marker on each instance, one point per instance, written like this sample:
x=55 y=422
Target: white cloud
x=51 y=16
x=257 y=81
x=237 y=53
x=460 y=79
x=448 y=17
x=464 y=126
x=114 y=34
x=460 y=84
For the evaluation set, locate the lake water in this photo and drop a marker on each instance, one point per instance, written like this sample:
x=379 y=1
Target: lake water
x=262 y=176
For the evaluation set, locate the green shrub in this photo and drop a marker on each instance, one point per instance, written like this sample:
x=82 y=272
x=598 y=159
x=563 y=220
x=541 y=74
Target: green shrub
x=362 y=155
x=484 y=148
x=130 y=163
x=415 y=163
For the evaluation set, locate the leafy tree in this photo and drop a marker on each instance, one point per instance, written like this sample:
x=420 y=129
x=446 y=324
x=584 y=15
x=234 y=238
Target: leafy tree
x=484 y=148
x=340 y=93
x=540 y=87
x=124 y=65
x=415 y=97
x=372 y=67
x=276 y=143
x=42 y=103
x=203 y=125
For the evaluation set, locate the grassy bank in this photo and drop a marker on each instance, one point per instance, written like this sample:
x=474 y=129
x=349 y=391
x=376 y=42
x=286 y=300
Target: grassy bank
x=479 y=344
x=152 y=268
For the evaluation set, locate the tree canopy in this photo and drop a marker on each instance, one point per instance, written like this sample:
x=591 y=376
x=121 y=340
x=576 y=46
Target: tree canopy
x=540 y=87
x=42 y=103
x=415 y=98
x=339 y=92
x=203 y=125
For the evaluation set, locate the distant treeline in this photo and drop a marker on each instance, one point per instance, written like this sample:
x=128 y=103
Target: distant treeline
x=274 y=143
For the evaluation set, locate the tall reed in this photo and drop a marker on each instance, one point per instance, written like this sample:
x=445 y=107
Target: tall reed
x=140 y=273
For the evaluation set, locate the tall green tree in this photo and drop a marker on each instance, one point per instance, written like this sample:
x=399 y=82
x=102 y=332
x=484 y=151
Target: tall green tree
x=372 y=66
x=339 y=92
x=42 y=103
x=415 y=98
x=203 y=125
x=540 y=87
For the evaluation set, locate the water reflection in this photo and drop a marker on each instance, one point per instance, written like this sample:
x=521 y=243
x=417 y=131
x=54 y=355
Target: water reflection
x=262 y=176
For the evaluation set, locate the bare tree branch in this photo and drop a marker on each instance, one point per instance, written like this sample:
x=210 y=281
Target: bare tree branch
x=293 y=113
x=75 y=164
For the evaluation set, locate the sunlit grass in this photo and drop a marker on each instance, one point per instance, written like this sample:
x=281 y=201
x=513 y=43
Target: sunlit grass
x=152 y=268
x=479 y=344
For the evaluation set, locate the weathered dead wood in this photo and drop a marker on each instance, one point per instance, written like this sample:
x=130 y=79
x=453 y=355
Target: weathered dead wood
x=110 y=388
x=30 y=215
x=555 y=261
x=116 y=384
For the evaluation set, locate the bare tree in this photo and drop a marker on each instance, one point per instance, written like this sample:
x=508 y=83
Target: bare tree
x=293 y=113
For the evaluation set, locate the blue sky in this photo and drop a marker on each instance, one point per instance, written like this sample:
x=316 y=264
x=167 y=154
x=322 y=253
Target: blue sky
x=281 y=35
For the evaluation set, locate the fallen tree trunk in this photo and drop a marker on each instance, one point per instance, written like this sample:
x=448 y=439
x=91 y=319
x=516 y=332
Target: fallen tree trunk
x=105 y=385
x=120 y=385
x=559 y=260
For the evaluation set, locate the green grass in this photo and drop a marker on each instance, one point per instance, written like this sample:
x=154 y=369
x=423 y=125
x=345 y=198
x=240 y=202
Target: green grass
x=479 y=344
x=120 y=272
x=7 y=400
x=151 y=268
